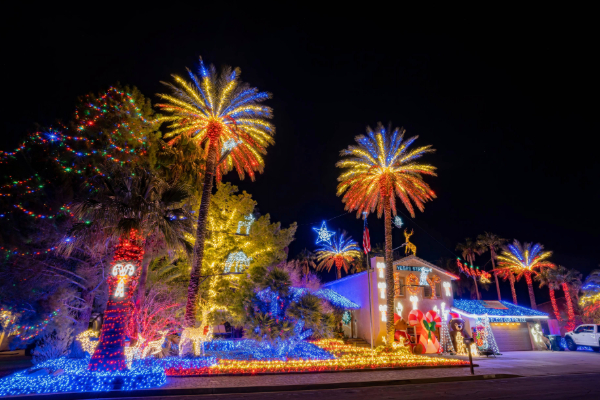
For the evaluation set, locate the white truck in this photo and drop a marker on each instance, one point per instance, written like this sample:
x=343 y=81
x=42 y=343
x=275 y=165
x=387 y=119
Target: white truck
x=584 y=335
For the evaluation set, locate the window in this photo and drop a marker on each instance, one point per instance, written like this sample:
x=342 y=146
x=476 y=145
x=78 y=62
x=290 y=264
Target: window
x=399 y=283
x=588 y=329
x=426 y=292
x=580 y=329
x=438 y=290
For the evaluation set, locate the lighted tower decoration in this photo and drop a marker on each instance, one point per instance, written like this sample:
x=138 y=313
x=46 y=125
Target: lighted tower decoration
x=110 y=354
x=445 y=340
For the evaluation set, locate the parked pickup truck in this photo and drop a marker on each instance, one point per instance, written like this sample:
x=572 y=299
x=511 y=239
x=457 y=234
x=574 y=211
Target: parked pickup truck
x=584 y=335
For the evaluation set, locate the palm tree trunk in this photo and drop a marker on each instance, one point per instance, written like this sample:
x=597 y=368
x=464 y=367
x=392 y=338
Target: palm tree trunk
x=530 y=289
x=193 y=287
x=493 y=253
x=389 y=272
x=554 y=305
x=339 y=273
x=471 y=260
x=565 y=289
x=511 y=279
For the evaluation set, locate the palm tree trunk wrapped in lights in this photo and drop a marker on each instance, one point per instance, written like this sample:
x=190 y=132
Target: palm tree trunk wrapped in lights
x=376 y=171
x=492 y=242
x=225 y=115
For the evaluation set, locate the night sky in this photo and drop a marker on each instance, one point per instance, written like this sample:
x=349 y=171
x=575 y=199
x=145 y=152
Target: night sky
x=508 y=103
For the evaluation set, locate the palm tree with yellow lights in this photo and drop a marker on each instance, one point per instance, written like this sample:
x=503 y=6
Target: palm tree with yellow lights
x=341 y=253
x=226 y=119
x=525 y=260
x=379 y=169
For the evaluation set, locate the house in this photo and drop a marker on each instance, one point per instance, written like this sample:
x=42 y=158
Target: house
x=515 y=328
x=418 y=284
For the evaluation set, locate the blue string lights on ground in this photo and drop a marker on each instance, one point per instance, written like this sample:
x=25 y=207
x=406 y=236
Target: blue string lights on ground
x=247 y=349
x=72 y=375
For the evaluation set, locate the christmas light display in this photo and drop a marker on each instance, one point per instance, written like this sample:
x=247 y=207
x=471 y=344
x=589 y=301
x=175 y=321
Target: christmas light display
x=485 y=335
x=246 y=223
x=399 y=309
x=381 y=269
x=175 y=366
x=524 y=260
x=408 y=246
x=383 y=311
x=475 y=272
x=571 y=324
x=198 y=336
x=414 y=300
x=474 y=308
x=228 y=146
x=88 y=341
x=381 y=286
x=398 y=222
x=347 y=318
x=380 y=167
x=110 y=355
x=323 y=235
x=71 y=375
x=236 y=262
x=445 y=340
x=26 y=332
x=340 y=253
x=134 y=352
x=155 y=346
x=412 y=285
x=447 y=286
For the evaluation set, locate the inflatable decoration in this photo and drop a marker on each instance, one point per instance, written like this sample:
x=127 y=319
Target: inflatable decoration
x=425 y=326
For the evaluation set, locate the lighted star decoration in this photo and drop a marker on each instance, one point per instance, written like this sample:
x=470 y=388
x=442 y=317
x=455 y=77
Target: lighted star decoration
x=324 y=234
x=398 y=222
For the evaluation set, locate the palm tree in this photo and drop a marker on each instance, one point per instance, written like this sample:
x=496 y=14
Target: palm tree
x=141 y=202
x=377 y=170
x=592 y=282
x=523 y=260
x=225 y=118
x=547 y=277
x=492 y=242
x=340 y=253
x=469 y=248
x=568 y=279
x=306 y=259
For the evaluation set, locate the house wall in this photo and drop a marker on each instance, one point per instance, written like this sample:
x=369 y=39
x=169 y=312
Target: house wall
x=356 y=288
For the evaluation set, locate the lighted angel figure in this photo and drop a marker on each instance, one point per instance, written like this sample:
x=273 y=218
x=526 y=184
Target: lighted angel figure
x=341 y=253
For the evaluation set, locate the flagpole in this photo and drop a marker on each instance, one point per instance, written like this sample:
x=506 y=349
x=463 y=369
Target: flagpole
x=369 y=283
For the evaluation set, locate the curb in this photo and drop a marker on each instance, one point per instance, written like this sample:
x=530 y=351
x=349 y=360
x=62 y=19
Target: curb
x=260 y=389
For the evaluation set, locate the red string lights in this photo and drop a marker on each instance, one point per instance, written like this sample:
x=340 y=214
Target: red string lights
x=110 y=353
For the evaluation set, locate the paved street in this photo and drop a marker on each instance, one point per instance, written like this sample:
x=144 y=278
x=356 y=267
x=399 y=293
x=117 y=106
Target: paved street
x=581 y=386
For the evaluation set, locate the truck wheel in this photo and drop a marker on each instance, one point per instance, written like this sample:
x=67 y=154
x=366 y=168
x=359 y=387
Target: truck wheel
x=571 y=344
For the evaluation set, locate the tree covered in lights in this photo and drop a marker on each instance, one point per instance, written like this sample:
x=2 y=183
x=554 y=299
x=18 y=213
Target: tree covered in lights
x=589 y=302
x=493 y=243
x=468 y=249
x=547 y=277
x=230 y=126
x=342 y=252
x=525 y=260
x=379 y=168
x=570 y=282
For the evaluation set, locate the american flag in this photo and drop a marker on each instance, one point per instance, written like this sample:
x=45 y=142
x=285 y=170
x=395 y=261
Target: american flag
x=366 y=238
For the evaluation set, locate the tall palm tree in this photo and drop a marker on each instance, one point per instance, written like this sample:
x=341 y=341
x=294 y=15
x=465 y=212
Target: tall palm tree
x=142 y=202
x=306 y=259
x=340 y=253
x=592 y=282
x=568 y=279
x=225 y=118
x=468 y=249
x=377 y=169
x=492 y=242
x=524 y=260
x=547 y=277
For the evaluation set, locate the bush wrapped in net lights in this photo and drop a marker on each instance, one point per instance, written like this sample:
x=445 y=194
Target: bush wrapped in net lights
x=75 y=377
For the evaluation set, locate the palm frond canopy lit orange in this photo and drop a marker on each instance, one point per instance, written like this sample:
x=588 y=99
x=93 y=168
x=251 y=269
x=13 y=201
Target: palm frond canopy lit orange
x=381 y=165
x=225 y=112
x=341 y=253
x=524 y=258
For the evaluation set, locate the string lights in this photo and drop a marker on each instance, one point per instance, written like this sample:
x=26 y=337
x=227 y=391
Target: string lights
x=323 y=235
x=236 y=262
x=246 y=223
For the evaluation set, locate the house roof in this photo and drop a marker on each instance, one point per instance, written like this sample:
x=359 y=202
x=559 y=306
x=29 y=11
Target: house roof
x=498 y=309
x=414 y=261
x=331 y=296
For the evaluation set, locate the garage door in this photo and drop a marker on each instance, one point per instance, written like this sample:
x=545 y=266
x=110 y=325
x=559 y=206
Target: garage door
x=511 y=336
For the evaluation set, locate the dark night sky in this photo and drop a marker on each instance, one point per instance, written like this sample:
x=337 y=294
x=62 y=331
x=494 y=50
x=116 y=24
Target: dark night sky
x=506 y=101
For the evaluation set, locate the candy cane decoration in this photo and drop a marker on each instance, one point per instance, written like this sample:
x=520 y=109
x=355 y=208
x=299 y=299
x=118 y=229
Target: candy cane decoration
x=415 y=318
x=431 y=321
x=122 y=272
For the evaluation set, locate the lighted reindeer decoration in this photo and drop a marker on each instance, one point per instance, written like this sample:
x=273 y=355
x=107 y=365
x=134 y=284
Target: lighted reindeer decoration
x=155 y=346
x=409 y=247
x=134 y=352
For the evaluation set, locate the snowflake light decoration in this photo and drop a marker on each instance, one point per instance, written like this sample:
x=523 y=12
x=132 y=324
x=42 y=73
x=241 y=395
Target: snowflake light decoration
x=228 y=146
x=423 y=277
x=398 y=222
x=324 y=234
